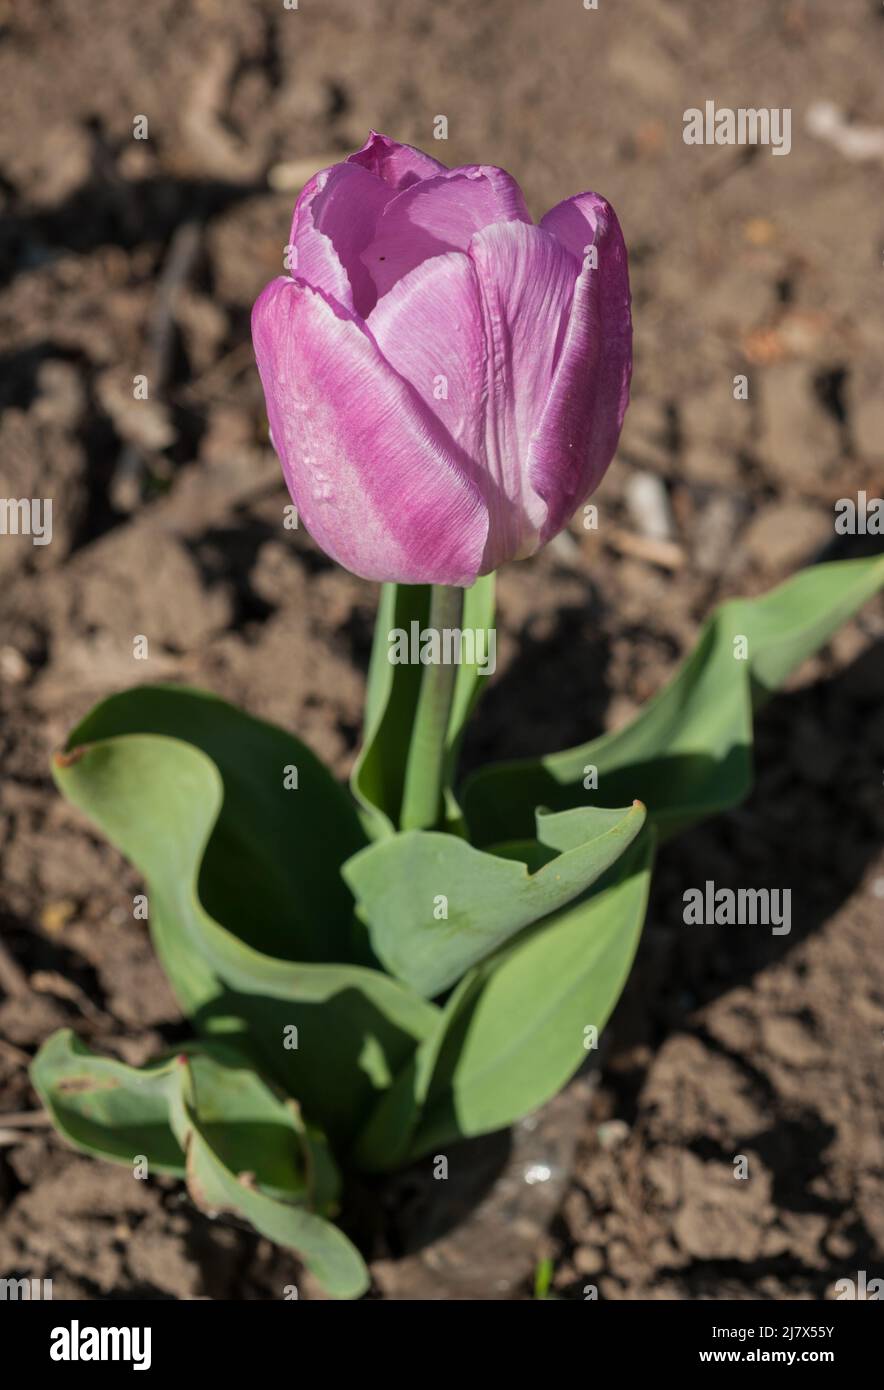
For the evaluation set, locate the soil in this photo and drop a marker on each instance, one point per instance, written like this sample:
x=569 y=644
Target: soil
x=122 y=256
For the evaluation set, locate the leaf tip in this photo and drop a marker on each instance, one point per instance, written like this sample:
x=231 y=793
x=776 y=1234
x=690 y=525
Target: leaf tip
x=67 y=757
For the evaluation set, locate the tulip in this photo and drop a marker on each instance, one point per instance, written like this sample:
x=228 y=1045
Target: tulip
x=445 y=380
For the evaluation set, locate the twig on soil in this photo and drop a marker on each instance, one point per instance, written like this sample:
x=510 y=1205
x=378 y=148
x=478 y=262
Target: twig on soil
x=126 y=483
x=50 y=982
x=15 y=1054
x=32 y=1127
x=183 y=249
x=667 y=554
x=25 y=1119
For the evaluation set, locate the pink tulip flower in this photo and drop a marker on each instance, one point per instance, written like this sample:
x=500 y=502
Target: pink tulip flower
x=445 y=380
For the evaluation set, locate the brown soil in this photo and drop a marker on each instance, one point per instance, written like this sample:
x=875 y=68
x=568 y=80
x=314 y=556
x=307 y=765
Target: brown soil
x=122 y=256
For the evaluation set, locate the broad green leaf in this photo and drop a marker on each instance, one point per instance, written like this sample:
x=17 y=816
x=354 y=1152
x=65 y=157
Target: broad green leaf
x=251 y=1127
x=272 y=868
x=205 y=1116
x=435 y=906
x=215 y=1186
x=105 y=1107
x=385 y=1140
x=157 y=799
x=391 y=699
x=515 y=1030
x=688 y=754
x=116 y=1111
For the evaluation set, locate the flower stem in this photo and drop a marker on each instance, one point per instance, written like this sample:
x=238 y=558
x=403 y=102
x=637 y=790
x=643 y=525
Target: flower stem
x=425 y=768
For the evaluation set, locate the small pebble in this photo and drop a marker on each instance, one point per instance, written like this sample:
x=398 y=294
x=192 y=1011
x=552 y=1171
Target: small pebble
x=612 y=1134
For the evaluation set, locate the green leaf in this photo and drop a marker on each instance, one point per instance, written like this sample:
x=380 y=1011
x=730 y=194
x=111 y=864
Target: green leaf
x=543 y=1277
x=514 y=1031
x=251 y=1127
x=688 y=754
x=207 y=1117
x=398 y=883
x=321 y=1245
x=116 y=1111
x=391 y=699
x=272 y=867
x=385 y=1140
x=105 y=1107
x=157 y=799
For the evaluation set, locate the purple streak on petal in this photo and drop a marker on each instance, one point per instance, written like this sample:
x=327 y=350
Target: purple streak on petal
x=333 y=222
x=429 y=327
x=579 y=429
x=379 y=484
x=437 y=215
x=526 y=284
x=399 y=166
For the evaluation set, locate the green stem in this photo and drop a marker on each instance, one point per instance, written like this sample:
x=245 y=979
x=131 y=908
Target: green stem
x=422 y=794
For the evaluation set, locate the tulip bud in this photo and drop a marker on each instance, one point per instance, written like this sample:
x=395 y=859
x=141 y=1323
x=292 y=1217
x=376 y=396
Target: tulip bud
x=445 y=381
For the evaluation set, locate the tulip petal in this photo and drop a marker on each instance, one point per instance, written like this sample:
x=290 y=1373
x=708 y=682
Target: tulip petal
x=397 y=165
x=379 y=483
x=429 y=327
x=526 y=285
x=580 y=427
x=437 y=215
x=334 y=220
